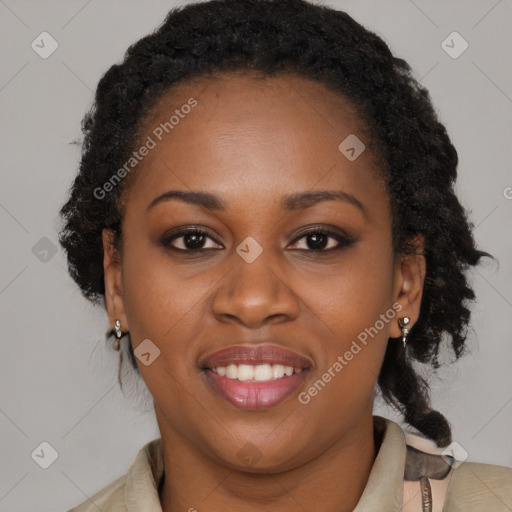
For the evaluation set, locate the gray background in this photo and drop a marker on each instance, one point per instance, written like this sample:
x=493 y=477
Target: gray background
x=58 y=380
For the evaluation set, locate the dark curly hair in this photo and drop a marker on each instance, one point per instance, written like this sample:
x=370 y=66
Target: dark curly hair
x=416 y=156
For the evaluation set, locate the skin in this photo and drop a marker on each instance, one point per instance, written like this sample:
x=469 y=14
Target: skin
x=251 y=142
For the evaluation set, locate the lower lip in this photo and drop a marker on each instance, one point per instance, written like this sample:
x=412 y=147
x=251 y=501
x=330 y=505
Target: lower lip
x=255 y=395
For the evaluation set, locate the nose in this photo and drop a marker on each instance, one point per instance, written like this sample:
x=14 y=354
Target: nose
x=255 y=294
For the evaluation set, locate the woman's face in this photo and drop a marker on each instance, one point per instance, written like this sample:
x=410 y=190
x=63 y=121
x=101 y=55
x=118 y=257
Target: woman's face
x=257 y=146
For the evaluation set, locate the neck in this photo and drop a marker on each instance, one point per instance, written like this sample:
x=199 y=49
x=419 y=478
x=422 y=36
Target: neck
x=332 y=482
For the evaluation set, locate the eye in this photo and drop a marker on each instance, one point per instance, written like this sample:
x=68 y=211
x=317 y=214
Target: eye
x=317 y=240
x=193 y=240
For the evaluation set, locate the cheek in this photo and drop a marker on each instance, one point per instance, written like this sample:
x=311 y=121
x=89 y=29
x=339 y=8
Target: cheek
x=157 y=293
x=355 y=303
x=160 y=309
x=354 y=294
x=159 y=303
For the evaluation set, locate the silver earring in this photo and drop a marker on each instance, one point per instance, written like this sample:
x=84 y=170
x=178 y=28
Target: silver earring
x=402 y=322
x=119 y=334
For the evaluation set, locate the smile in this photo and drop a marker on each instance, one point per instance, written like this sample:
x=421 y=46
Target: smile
x=256 y=373
x=255 y=387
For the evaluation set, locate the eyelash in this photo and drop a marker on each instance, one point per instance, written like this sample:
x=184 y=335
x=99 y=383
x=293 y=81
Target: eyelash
x=343 y=240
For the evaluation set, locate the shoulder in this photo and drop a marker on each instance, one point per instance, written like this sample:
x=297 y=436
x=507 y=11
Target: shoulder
x=480 y=487
x=110 y=498
x=455 y=486
x=137 y=487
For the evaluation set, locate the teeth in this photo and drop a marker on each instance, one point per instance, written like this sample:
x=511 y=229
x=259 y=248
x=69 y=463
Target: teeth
x=231 y=371
x=261 y=372
x=256 y=373
x=245 y=372
x=277 y=371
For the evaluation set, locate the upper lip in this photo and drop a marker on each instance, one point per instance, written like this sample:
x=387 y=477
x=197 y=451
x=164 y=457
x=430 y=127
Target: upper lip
x=254 y=355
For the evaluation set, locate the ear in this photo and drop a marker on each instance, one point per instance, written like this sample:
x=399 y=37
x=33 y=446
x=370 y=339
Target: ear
x=114 y=297
x=409 y=279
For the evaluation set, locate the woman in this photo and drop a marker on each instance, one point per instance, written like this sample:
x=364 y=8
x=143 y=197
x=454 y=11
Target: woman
x=265 y=204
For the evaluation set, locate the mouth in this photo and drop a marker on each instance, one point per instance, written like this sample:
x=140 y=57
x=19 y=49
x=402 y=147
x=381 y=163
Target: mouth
x=255 y=377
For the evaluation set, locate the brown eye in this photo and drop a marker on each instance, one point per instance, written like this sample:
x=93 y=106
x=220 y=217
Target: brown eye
x=317 y=240
x=191 y=240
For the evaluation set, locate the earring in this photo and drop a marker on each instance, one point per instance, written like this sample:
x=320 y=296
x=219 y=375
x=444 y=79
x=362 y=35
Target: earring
x=119 y=334
x=402 y=322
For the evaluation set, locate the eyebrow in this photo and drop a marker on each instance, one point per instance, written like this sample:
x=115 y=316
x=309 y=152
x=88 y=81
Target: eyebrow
x=292 y=202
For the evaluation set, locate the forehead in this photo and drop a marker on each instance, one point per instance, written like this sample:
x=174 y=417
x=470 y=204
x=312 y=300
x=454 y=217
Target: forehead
x=246 y=134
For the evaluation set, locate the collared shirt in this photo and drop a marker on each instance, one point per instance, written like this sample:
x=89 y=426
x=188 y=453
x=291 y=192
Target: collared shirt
x=474 y=487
